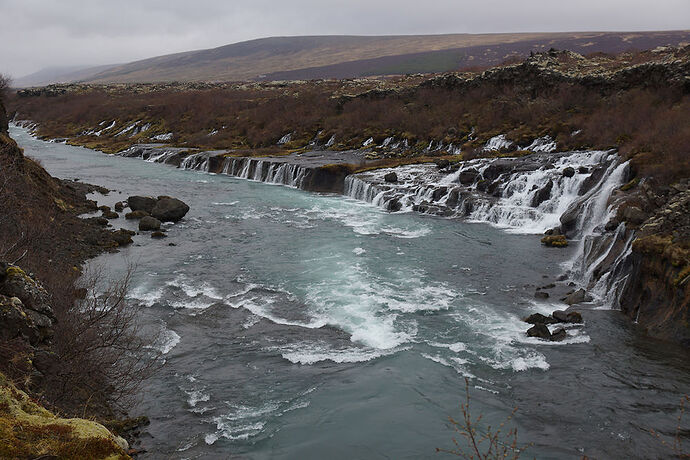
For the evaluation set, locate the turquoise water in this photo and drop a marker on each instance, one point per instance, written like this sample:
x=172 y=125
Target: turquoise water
x=298 y=325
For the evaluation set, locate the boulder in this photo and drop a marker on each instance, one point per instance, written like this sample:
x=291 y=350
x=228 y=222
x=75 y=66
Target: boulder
x=122 y=237
x=538 y=318
x=136 y=214
x=583 y=169
x=158 y=234
x=169 y=209
x=149 y=223
x=102 y=221
x=439 y=193
x=569 y=172
x=541 y=295
x=560 y=315
x=539 y=331
x=468 y=177
x=110 y=214
x=120 y=206
x=554 y=241
x=558 y=335
x=391 y=177
x=578 y=296
x=141 y=203
x=394 y=205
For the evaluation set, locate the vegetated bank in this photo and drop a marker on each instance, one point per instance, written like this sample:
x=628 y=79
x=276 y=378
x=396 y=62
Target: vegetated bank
x=635 y=104
x=57 y=337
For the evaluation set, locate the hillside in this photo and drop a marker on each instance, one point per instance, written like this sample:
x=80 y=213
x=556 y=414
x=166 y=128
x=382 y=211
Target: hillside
x=310 y=57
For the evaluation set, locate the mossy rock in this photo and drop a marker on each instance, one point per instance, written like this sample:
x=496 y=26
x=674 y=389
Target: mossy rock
x=28 y=430
x=555 y=241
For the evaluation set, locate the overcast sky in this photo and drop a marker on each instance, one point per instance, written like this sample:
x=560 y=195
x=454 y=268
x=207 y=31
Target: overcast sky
x=35 y=34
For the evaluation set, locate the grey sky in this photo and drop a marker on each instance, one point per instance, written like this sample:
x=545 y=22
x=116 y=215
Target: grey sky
x=35 y=34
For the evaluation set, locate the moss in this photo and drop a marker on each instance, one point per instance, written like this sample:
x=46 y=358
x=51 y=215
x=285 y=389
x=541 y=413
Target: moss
x=555 y=241
x=29 y=431
x=633 y=183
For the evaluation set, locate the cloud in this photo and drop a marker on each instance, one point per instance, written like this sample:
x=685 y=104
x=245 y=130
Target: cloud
x=44 y=33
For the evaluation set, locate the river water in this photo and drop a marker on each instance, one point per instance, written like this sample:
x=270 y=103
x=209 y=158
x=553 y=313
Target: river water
x=298 y=325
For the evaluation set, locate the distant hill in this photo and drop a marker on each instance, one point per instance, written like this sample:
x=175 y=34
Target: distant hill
x=309 y=57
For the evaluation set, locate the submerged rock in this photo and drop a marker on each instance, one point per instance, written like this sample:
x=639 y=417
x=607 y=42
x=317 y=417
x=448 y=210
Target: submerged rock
x=158 y=234
x=578 y=296
x=136 y=214
x=541 y=295
x=149 y=223
x=538 y=318
x=569 y=171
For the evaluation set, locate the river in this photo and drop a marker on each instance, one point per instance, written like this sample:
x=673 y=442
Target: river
x=307 y=326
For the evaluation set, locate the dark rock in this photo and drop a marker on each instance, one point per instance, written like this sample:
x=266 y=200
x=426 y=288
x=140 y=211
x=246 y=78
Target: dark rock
x=122 y=237
x=633 y=215
x=541 y=295
x=538 y=318
x=394 y=205
x=442 y=163
x=136 y=214
x=102 y=221
x=172 y=244
x=104 y=209
x=120 y=206
x=560 y=315
x=583 y=169
x=540 y=331
x=569 y=172
x=141 y=203
x=149 y=223
x=439 y=193
x=553 y=231
x=468 y=177
x=558 y=335
x=548 y=286
x=169 y=209
x=110 y=214
x=562 y=277
x=453 y=197
x=391 y=177
x=542 y=195
x=158 y=234
x=574 y=317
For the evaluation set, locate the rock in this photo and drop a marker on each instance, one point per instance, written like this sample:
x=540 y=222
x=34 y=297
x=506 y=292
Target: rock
x=538 y=318
x=158 y=234
x=439 y=193
x=574 y=317
x=554 y=241
x=442 y=163
x=102 y=221
x=560 y=315
x=578 y=296
x=633 y=215
x=169 y=209
x=33 y=296
x=569 y=172
x=542 y=195
x=172 y=244
x=104 y=208
x=541 y=295
x=391 y=177
x=136 y=215
x=468 y=177
x=120 y=206
x=122 y=237
x=149 y=223
x=583 y=169
x=558 y=335
x=553 y=231
x=548 y=286
x=110 y=214
x=394 y=205
x=141 y=203
x=540 y=331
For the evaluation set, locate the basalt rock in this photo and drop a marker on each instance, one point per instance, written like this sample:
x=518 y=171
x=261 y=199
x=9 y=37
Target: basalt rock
x=542 y=195
x=169 y=209
x=391 y=177
x=136 y=215
x=149 y=223
x=558 y=335
x=141 y=203
x=539 y=331
x=538 y=318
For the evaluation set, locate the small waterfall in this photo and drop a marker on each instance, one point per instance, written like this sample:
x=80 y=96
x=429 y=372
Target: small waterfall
x=198 y=161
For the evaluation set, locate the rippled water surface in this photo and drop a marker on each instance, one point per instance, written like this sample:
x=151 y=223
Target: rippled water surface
x=298 y=325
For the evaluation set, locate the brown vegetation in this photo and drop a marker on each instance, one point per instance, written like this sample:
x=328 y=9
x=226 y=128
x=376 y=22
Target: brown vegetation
x=645 y=122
